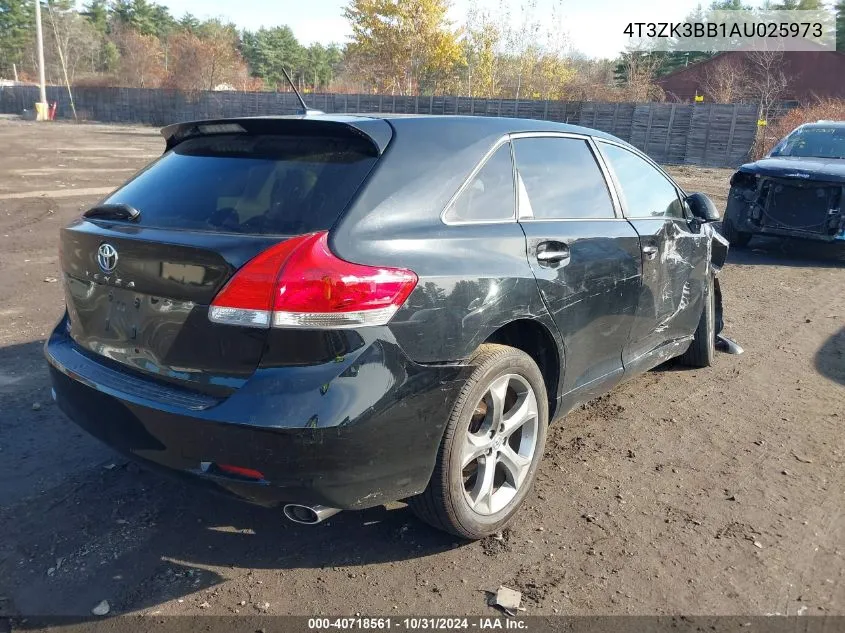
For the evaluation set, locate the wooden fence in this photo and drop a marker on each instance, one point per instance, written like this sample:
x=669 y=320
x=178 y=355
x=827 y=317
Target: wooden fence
x=716 y=135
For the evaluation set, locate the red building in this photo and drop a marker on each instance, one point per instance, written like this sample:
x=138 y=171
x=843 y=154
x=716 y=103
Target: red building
x=809 y=75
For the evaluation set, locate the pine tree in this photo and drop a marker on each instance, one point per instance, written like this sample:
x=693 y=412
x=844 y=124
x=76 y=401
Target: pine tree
x=17 y=32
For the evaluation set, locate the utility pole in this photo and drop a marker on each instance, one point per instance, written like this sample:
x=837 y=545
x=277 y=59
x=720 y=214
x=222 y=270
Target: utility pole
x=41 y=109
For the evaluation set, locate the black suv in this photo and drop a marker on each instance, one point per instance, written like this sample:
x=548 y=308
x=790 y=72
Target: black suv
x=796 y=191
x=328 y=313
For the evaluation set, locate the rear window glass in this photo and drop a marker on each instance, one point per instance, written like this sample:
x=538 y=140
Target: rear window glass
x=250 y=184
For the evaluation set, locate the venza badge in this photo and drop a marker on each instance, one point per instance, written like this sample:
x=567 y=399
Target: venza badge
x=107 y=257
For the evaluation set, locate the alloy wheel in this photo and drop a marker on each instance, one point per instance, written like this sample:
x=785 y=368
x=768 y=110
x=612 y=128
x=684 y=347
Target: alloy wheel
x=500 y=442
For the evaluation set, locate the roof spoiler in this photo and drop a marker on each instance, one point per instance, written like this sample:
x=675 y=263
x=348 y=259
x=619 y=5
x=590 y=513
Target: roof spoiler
x=377 y=131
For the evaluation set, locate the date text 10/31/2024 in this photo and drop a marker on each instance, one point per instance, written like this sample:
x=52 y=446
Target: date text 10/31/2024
x=417 y=624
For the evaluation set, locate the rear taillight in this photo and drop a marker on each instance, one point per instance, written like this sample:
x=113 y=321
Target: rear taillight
x=300 y=283
x=248 y=297
x=239 y=471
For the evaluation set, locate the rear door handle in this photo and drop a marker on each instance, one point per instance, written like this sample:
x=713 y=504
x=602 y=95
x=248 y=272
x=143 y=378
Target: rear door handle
x=552 y=252
x=650 y=252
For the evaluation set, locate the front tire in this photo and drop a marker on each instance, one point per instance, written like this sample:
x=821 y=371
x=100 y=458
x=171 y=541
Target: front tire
x=491 y=448
x=702 y=350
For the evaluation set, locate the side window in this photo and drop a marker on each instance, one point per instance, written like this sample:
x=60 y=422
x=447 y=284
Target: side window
x=489 y=196
x=562 y=178
x=647 y=192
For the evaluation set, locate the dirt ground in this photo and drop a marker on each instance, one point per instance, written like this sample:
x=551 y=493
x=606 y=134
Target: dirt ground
x=715 y=491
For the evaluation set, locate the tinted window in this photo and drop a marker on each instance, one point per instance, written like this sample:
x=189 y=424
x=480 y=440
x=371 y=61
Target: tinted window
x=250 y=184
x=489 y=195
x=646 y=191
x=562 y=178
x=820 y=142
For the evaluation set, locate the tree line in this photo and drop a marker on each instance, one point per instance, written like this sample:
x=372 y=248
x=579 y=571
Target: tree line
x=138 y=43
x=401 y=47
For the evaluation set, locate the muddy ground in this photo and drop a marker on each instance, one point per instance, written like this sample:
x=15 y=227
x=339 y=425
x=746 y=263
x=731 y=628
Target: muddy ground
x=715 y=491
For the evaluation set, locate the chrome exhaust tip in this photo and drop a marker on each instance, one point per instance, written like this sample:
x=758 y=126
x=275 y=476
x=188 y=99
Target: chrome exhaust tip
x=308 y=515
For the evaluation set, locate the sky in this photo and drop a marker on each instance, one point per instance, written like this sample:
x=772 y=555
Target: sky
x=594 y=28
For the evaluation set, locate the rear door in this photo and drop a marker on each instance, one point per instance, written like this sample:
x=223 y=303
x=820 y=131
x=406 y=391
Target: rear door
x=674 y=258
x=584 y=255
x=138 y=291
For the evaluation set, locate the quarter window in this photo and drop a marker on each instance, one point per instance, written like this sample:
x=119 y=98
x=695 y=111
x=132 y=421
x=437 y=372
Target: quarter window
x=562 y=178
x=489 y=195
x=647 y=192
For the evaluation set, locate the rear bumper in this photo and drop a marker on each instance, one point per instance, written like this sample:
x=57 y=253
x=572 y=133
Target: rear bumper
x=349 y=434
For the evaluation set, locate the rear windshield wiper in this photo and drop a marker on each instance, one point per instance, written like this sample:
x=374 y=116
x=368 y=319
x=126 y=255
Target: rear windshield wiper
x=118 y=211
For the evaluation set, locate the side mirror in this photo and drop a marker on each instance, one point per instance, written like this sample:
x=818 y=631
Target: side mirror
x=702 y=208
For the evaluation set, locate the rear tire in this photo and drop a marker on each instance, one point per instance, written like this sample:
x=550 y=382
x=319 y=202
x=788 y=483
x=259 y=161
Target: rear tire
x=739 y=239
x=702 y=350
x=496 y=435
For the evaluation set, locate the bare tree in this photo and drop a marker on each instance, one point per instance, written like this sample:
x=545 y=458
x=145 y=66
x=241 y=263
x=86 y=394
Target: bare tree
x=204 y=63
x=768 y=82
x=483 y=51
x=726 y=80
x=74 y=39
x=640 y=69
x=767 y=86
x=592 y=81
x=522 y=43
x=141 y=59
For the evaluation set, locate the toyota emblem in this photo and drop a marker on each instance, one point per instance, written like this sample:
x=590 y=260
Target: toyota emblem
x=107 y=257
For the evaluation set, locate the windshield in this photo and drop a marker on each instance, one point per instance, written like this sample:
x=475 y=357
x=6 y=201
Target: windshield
x=817 y=142
x=282 y=185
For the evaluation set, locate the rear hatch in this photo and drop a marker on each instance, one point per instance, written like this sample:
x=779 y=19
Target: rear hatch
x=138 y=289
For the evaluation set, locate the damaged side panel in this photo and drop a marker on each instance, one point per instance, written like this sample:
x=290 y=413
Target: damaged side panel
x=673 y=290
x=718 y=248
x=591 y=294
x=465 y=299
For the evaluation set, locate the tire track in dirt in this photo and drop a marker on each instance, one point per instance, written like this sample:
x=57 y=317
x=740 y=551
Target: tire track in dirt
x=814 y=301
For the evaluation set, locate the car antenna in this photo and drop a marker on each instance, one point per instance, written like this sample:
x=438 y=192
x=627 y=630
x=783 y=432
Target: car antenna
x=305 y=109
